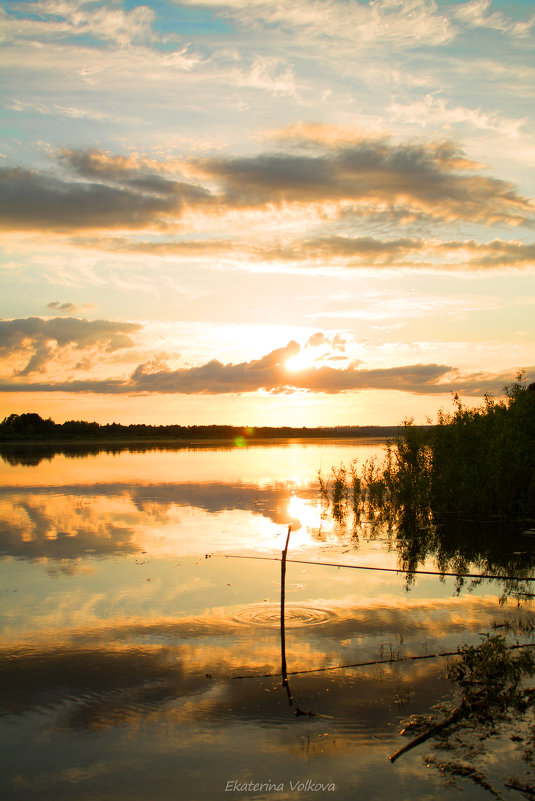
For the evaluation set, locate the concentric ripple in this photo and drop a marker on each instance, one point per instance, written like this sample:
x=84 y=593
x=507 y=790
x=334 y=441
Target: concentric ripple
x=294 y=615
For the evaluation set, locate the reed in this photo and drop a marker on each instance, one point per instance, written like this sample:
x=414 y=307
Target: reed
x=476 y=462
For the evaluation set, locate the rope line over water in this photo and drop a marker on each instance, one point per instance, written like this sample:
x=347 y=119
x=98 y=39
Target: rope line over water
x=383 y=569
x=389 y=661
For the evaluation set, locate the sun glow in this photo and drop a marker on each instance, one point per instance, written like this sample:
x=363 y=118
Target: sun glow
x=301 y=361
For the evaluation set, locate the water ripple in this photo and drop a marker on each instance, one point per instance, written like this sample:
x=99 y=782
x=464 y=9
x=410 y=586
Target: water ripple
x=295 y=615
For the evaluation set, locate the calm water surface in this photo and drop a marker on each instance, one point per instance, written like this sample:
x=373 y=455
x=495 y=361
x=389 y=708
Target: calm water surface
x=141 y=660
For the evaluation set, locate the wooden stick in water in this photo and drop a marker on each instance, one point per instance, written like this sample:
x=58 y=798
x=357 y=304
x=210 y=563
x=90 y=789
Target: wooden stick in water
x=284 y=672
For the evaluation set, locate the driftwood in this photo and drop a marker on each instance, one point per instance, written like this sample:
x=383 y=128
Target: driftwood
x=527 y=790
x=456 y=715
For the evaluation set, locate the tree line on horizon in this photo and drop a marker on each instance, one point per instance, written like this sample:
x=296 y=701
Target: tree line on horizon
x=31 y=426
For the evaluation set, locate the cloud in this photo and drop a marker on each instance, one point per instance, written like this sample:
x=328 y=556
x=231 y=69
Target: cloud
x=331 y=251
x=502 y=254
x=343 y=25
x=115 y=196
x=68 y=308
x=408 y=252
x=59 y=110
x=316 y=339
x=58 y=19
x=270 y=374
x=436 y=179
x=266 y=73
x=336 y=343
x=30 y=201
x=93 y=189
x=39 y=340
x=432 y=109
x=474 y=14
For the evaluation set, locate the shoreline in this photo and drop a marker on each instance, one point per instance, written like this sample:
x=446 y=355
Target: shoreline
x=192 y=442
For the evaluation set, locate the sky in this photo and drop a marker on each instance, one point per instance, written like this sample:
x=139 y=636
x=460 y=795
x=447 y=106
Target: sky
x=310 y=212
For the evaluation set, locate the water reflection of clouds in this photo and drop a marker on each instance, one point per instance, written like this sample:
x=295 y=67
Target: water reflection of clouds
x=139 y=651
x=352 y=616
x=114 y=519
x=164 y=685
x=94 y=689
x=110 y=675
x=37 y=526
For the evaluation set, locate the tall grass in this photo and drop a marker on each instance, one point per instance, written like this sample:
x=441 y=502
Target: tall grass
x=475 y=462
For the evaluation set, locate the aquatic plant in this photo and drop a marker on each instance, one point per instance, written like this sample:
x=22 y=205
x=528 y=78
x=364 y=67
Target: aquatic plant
x=491 y=678
x=483 y=459
x=339 y=493
x=476 y=462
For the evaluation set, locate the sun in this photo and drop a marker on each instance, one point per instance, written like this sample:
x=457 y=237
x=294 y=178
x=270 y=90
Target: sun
x=300 y=361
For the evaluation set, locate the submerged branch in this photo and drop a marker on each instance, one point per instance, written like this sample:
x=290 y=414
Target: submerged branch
x=430 y=732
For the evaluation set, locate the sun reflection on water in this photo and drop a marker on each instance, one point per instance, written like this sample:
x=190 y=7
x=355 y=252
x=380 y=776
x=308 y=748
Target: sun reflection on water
x=308 y=513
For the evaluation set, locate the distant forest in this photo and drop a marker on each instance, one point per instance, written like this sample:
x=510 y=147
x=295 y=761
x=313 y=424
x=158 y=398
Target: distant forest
x=32 y=427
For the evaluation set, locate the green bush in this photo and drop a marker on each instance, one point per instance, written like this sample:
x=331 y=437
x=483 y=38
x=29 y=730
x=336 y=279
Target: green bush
x=483 y=459
x=476 y=463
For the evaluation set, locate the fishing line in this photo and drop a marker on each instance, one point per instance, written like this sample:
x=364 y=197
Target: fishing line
x=342 y=667
x=382 y=569
x=367 y=664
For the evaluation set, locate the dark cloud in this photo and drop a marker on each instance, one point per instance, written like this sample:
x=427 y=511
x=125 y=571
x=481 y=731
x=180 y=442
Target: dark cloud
x=362 y=251
x=97 y=164
x=363 y=246
x=271 y=374
x=216 y=377
x=37 y=339
x=430 y=178
x=62 y=307
x=93 y=189
x=31 y=200
x=123 y=171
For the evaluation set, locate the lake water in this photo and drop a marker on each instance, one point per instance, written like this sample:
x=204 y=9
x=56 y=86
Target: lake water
x=141 y=644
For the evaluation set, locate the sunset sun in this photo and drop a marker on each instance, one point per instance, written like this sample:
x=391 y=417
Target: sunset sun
x=301 y=361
